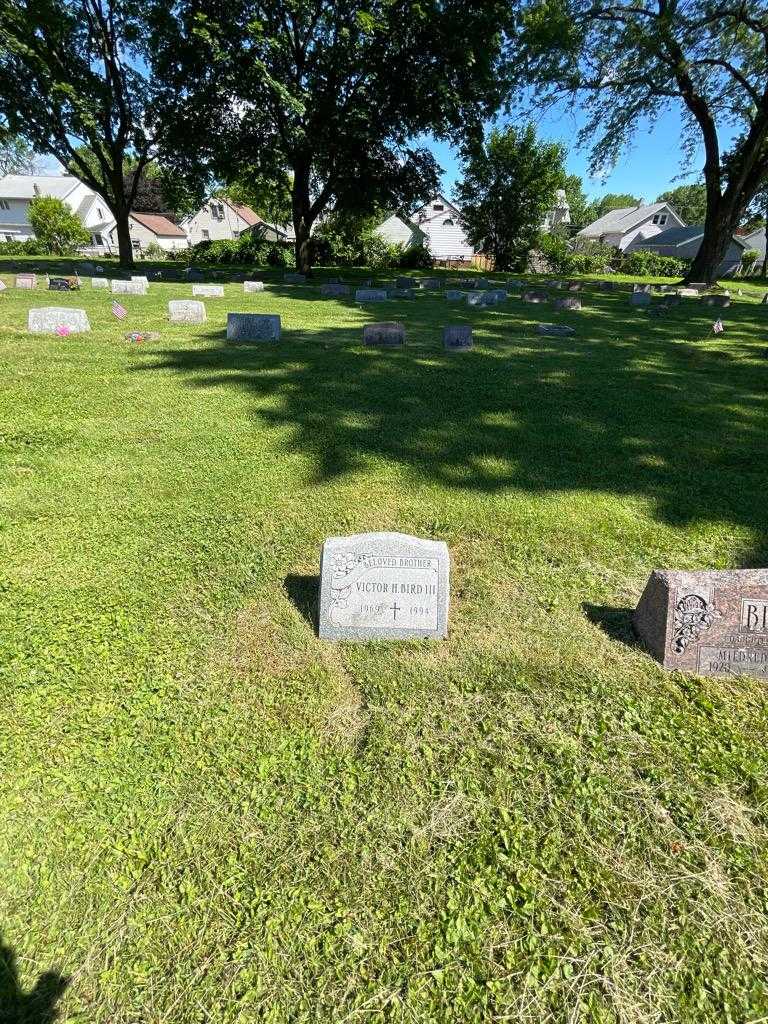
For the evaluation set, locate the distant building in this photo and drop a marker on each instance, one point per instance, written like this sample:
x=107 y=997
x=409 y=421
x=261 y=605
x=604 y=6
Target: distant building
x=220 y=219
x=631 y=223
x=437 y=224
x=560 y=214
x=684 y=243
x=18 y=190
x=152 y=229
x=755 y=240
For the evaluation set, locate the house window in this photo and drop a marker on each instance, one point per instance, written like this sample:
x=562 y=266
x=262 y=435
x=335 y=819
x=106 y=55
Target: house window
x=655 y=218
x=135 y=243
x=97 y=239
x=662 y=220
x=438 y=207
x=217 y=211
x=99 y=213
x=448 y=222
x=235 y=234
x=9 y=238
x=206 y=234
x=4 y=204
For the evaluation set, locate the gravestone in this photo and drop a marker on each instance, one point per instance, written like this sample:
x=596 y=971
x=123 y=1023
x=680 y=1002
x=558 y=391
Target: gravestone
x=535 y=297
x=335 y=291
x=640 y=299
x=387 y=334
x=405 y=282
x=454 y=296
x=554 y=284
x=574 y=286
x=499 y=294
x=86 y=267
x=99 y=282
x=61 y=284
x=371 y=295
x=567 y=303
x=401 y=293
x=515 y=282
x=48 y=318
x=2 y=286
x=480 y=282
x=253 y=327
x=475 y=298
x=186 y=311
x=128 y=287
x=713 y=623
x=641 y=288
x=142 y=278
x=723 y=301
x=294 y=278
x=457 y=338
x=698 y=286
x=383 y=586
x=689 y=293
x=429 y=283
x=253 y=286
x=556 y=330
x=26 y=281
x=210 y=291
x=193 y=274
x=607 y=286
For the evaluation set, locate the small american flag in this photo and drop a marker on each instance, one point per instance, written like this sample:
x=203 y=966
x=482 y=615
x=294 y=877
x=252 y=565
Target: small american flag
x=717 y=327
x=119 y=311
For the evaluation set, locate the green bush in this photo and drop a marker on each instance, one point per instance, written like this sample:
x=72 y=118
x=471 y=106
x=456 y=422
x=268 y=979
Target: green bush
x=56 y=227
x=379 y=254
x=750 y=256
x=564 y=257
x=249 y=248
x=154 y=252
x=651 y=264
x=29 y=248
x=416 y=257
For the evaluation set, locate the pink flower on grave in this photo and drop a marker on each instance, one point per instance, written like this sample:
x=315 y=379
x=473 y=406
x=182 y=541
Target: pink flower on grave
x=63 y=331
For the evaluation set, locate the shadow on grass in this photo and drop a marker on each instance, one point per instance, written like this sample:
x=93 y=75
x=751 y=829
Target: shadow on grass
x=304 y=593
x=656 y=409
x=614 y=622
x=38 y=1006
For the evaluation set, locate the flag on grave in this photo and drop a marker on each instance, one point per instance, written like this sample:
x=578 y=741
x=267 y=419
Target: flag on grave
x=717 y=327
x=119 y=311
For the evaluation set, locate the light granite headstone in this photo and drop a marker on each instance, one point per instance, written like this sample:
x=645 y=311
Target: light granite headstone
x=429 y=283
x=128 y=287
x=569 y=303
x=475 y=298
x=713 y=623
x=210 y=291
x=253 y=286
x=452 y=295
x=186 y=311
x=335 y=290
x=640 y=299
x=371 y=295
x=688 y=293
x=48 y=318
x=556 y=330
x=141 y=278
x=641 y=288
x=294 y=278
x=698 y=286
x=388 y=334
x=722 y=301
x=457 y=338
x=384 y=586
x=253 y=327
x=26 y=281
x=99 y=282
x=535 y=297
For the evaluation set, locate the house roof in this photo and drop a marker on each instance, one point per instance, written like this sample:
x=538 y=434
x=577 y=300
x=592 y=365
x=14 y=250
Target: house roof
x=678 y=236
x=22 y=186
x=159 y=225
x=755 y=240
x=248 y=215
x=432 y=214
x=623 y=219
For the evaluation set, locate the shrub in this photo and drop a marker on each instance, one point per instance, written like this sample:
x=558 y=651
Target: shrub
x=651 y=264
x=154 y=252
x=247 y=249
x=56 y=227
x=569 y=257
x=29 y=248
x=379 y=254
x=416 y=257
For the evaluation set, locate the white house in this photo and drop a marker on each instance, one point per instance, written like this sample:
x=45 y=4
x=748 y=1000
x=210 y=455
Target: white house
x=18 y=190
x=150 y=229
x=220 y=219
x=755 y=240
x=438 y=224
x=631 y=223
x=684 y=243
x=559 y=214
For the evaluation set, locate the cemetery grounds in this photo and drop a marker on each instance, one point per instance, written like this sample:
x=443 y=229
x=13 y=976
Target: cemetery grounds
x=208 y=814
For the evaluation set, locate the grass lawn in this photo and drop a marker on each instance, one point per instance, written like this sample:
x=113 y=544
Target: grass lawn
x=209 y=815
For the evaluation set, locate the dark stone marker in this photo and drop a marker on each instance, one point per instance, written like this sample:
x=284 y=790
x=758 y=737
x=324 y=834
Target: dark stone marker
x=193 y=274
x=607 y=286
x=723 y=301
x=713 y=623
x=457 y=338
x=405 y=282
x=62 y=284
x=335 y=291
x=556 y=330
x=569 y=303
x=401 y=293
x=532 y=296
x=388 y=334
x=640 y=299
x=253 y=327
x=294 y=278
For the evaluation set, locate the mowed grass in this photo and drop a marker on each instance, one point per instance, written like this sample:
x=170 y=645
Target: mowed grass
x=209 y=815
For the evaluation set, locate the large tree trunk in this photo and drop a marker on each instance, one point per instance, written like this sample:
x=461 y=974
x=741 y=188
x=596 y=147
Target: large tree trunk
x=765 y=257
x=302 y=216
x=723 y=216
x=124 y=244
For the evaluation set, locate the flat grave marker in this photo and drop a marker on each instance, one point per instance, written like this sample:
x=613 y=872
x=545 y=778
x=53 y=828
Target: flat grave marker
x=722 y=301
x=26 y=281
x=535 y=297
x=253 y=286
x=120 y=287
x=210 y=291
x=457 y=338
x=712 y=623
x=294 y=278
x=383 y=586
x=335 y=290
x=388 y=334
x=371 y=295
x=556 y=330
x=569 y=303
x=99 y=282
x=253 y=327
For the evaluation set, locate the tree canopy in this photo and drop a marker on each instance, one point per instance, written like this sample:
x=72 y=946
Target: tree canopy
x=690 y=201
x=507 y=187
x=627 y=62
x=332 y=93
x=16 y=154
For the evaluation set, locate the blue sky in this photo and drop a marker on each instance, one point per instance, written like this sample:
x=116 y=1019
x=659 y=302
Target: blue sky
x=651 y=166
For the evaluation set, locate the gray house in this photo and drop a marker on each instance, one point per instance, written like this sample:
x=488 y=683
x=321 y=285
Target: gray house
x=755 y=240
x=684 y=242
x=631 y=224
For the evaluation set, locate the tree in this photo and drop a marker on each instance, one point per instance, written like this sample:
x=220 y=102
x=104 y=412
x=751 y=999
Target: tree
x=70 y=79
x=689 y=201
x=331 y=92
x=56 y=227
x=577 y=202
x=160 y=190
x=16 y=155
x=270 y=197
x=508 y=185
x=628 y=60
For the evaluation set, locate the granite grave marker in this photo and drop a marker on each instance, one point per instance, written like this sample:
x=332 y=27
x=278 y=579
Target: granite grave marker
x=253 y=327
x=388 y=334
x=186 y=311
x=210 y=291
x=46 y=319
